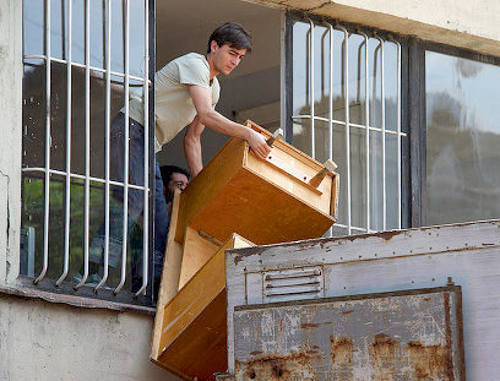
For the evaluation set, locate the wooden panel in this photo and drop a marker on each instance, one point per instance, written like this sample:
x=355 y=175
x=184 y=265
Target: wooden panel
x=194 y=322
x=261 y=212
x=209 y=182
x=169 y=277
x=197 y=251
x=318 y=198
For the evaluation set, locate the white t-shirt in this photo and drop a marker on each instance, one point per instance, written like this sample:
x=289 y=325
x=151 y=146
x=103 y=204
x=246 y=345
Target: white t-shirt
x=174 y=107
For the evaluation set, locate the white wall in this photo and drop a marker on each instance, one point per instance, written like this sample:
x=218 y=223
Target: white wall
x=40 y=341
x=471 y=24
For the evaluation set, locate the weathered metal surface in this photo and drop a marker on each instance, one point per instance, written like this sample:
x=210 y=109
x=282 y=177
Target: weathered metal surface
x=396 y=336
x=400 y=260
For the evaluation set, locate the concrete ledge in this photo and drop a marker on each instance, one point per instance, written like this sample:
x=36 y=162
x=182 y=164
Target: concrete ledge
x=464 y=24
x=75 y=301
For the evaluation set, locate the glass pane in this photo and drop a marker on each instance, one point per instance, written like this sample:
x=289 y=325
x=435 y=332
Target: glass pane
x=338 y=76
x=391 y=85
x=321 y=70
x=34 y=112
x=137 y=38
x=97 y=33
x=375 y=81
x=376 y=191
x=301 y=96
x=340 y=158
x=58 y=29
x=358 y=177
x=357 y=91
x=391 y=181
x=33 y=27
x=78 y=32
x=463 y=139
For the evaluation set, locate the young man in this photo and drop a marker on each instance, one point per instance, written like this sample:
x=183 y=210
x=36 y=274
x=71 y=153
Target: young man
x=186 y=92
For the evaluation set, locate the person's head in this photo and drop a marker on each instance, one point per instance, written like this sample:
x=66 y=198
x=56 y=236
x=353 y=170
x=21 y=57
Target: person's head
x=227 y=45
x=173 y=178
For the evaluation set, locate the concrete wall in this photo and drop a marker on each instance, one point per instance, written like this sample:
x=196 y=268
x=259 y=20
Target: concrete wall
x=43 y=341
x=10 y=135
x=471 y=24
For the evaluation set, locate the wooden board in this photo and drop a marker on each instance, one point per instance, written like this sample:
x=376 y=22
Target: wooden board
x=194 y=321
x=198 y=249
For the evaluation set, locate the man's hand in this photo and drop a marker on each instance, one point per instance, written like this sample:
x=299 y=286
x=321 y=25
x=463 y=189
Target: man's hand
x=202 y=100
x=258 y=144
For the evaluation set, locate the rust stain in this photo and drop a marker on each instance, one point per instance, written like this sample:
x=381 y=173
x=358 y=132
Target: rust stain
x=429 y=361
x=309 y=325
x=314 y=325
x=295 y=366
x=384 y=353
x=341 y=353
x=255 y=353
x=348 y=312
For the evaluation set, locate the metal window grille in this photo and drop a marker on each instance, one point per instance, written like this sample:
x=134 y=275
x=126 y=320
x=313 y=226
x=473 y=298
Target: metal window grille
x=369 y=54
x=43 y=167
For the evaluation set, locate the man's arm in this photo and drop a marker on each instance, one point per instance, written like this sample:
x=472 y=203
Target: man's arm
x=202 y=100
x=192 y=146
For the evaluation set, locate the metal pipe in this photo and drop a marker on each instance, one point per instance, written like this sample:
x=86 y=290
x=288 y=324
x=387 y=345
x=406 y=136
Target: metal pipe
x=347 y=125
x=67 y=216
x=367 y=120
x=384 y=171
x=107 y=145
x=86 y=235
x=47 y=147
x=311 y=84
x=126 y=152
x=145 y=240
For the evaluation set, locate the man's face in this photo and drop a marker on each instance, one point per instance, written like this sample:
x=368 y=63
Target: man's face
x=226 y=58
x=177 y=181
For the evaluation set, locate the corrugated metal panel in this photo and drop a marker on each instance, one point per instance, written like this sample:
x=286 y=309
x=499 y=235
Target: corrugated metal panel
x=394 y=336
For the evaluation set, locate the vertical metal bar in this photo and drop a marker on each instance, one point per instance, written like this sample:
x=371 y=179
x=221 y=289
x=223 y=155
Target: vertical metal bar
x=330 y=107
x=67 y=221
x=48 y=141
x=330 y=99
x=145 y=239
x=86 y=234
x=399 y=135
x=126 y=150
x=384 y=173
x=345 y=59
x=311 y=86
x=367 y=125
x=107 y=145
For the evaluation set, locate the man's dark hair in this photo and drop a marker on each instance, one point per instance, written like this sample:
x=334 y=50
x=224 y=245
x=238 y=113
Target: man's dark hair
x=167 y=170
x=233 y=34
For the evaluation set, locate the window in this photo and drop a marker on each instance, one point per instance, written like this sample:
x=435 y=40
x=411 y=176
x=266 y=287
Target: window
x=463 y=139
x=82 y=59
x=345 y=105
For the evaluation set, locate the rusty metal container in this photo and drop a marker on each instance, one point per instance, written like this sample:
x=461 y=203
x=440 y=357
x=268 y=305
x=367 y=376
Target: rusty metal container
x=419 y=304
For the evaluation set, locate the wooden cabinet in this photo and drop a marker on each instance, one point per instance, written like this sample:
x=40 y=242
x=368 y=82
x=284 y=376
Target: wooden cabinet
x=236 y=201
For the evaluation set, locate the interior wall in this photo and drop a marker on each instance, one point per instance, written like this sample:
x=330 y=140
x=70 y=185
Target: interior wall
x=184 y=26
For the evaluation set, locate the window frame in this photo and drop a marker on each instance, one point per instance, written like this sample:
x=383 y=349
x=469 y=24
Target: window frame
x=65 y=289
x=409 y=178
x=420 y=126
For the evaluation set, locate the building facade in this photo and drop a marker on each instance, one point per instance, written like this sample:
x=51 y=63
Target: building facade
x=402 y=95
